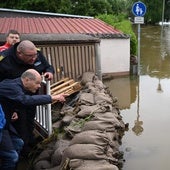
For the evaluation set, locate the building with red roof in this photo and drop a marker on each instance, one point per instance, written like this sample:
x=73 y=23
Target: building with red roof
x=76 y=43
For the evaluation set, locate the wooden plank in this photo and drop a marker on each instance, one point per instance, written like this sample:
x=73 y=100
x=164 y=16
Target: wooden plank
x=73 y=86
x=72 y=89
x=59 y=82
x=62 y=85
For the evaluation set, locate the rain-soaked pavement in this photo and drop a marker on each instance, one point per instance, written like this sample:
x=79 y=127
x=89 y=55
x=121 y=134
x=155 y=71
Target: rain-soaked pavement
x=145 y=104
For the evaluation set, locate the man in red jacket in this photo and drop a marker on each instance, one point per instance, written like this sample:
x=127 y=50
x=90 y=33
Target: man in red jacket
x=12 y=37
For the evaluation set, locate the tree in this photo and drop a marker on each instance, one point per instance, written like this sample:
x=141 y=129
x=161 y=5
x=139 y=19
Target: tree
x=92 y=7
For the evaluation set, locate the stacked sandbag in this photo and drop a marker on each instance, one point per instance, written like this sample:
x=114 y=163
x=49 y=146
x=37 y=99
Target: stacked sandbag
x=99 y=124
x=93 y=131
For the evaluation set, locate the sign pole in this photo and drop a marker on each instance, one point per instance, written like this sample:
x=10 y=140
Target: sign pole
x=139 y=10
x=139 y=49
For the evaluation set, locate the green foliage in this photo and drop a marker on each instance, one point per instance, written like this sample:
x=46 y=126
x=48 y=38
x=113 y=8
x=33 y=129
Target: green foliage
x=155 y=15
x=120 y=6
x=101 y=7
x=121 y=23
x=92 y=7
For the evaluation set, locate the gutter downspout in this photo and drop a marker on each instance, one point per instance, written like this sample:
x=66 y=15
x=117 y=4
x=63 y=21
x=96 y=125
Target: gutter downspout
x=98 y=61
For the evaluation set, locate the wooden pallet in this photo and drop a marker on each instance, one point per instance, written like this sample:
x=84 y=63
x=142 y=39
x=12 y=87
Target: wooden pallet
x=66 y=85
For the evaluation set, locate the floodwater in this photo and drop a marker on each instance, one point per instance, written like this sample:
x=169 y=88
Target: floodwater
x=144 y=103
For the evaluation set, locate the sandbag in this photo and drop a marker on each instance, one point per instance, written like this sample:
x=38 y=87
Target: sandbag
x=87 y=77
x=43 y=164
x=108 y=116
x=78 y=164
x=102 y=97
x=85 y=151
x=87 y=99
x=73 y=128
x=102 y=125
x=88 y=110
x=91 y=137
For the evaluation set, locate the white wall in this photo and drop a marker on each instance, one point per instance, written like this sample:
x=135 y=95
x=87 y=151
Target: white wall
x=115 y=55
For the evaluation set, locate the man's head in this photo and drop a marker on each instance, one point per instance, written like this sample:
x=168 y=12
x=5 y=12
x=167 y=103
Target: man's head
x=12 y=37
x=27 y=52
x=31 y=80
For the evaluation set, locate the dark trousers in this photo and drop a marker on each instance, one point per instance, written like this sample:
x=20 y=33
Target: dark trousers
x=10 y=148
x=25 y=125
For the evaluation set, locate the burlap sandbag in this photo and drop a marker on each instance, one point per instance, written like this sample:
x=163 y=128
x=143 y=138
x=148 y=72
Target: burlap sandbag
x=102 y=97
x=108 y=116
x=88 y=110
x=44 y=164
x=86 y=99
x=91 y=137
x=73 y=128
x=59 y=147
x=102 y=125
x=78 y=164
x=99 y=84
x=85 y=151
x=45 y=155
x=87 y=77
x=91 y=88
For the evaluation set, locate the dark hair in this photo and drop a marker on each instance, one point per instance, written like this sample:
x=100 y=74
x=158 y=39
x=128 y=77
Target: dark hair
x=13 y=32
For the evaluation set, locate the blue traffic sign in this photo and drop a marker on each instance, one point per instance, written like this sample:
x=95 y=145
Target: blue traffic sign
x=139 y=9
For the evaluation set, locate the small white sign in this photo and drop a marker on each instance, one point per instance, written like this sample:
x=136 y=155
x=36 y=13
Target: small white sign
x=139 y=20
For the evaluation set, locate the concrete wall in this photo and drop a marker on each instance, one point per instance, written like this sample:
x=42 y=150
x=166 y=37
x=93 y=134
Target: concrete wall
x=115 y=56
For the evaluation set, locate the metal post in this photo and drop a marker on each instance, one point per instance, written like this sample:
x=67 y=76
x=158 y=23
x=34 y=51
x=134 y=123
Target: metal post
x=49 y=110
x=98 y=61
x=138 y=49
x=49 y=105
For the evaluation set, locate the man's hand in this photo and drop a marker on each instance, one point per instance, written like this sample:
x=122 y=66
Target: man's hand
x=60 y=97
x=14 y=116
x=48 y=75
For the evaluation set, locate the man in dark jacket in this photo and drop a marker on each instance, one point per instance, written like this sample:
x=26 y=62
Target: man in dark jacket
x=13 y=62
x=20 y=57
x=15 y=94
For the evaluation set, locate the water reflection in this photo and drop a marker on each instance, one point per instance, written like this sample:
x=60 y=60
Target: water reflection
x=137 y=128
x=144 y=102
x=159 y=88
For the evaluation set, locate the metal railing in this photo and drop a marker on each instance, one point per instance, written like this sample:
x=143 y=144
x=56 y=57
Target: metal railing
x=43 y=120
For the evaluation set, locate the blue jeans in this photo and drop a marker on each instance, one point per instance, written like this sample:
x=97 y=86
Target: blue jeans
x=10 y=157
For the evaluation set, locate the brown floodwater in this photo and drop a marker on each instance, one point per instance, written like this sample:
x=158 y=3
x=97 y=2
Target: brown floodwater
x=144 y=103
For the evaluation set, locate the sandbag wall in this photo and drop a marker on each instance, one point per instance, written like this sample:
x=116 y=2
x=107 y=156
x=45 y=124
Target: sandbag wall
x=93 y=129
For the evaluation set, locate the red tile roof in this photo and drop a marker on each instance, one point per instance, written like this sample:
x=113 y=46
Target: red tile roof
x=57 y=25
